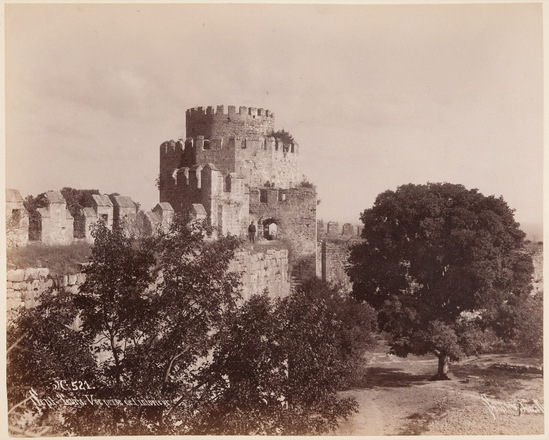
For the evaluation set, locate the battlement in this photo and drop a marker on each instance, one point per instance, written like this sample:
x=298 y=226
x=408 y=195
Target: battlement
x=200 y=143
x=220 y=110
x=213 y=122
x=208 y=181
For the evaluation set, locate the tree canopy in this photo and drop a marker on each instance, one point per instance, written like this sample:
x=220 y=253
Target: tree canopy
x=159 y=332
x=441 y=264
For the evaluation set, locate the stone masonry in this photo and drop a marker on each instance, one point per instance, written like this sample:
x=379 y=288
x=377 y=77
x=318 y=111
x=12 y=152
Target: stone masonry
x=53 y=224
x=17 y=220
x=231 y=165
x=334 y=245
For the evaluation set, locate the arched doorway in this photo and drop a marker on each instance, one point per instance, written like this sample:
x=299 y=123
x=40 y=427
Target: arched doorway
x=270 y=229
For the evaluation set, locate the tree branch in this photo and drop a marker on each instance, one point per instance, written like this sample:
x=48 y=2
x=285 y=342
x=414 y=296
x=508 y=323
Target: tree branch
x=16 y=343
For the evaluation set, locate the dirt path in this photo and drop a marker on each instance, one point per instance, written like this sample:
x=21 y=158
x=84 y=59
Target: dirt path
x=398 y=399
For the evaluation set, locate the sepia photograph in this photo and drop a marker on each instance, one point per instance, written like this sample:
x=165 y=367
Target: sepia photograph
x=258 y=219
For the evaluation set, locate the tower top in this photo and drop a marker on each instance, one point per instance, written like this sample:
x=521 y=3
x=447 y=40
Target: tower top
x=213 y=122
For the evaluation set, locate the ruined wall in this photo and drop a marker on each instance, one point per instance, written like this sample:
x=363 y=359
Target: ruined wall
x=55 y=224
x=157 y=220
x=332 y=257
x=23 y=286
x=334 y=247
x=294 y=212
x=225 y=198
x=17 y=220
x=262 y=271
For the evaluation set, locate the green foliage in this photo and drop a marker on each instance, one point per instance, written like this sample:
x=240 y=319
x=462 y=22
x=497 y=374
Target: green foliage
x=520 y=321
x=306 y=183
x=277 y=366
x=158 y=319
x=78 y=198
x=44 y=346
x=282 y=135
x=59 y=259
x=439 y=262
x=148 y=312
x=32 y=204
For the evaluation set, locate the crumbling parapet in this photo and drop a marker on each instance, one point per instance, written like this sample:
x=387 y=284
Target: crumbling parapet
x=53 y=224
x=17 y=220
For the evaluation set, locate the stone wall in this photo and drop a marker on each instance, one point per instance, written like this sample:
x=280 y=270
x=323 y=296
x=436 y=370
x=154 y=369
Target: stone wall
x=17 y=220
x=23 y=286
x=54 y=223
x=215 y=123
x=334 y=246
x=294 y=212
x=332 y=257
x=225 y=199
x=263 y=161
x=258 y=160
x=262 y=271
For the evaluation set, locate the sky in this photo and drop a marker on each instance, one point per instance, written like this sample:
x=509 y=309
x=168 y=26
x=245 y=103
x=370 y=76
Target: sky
x=377 y=96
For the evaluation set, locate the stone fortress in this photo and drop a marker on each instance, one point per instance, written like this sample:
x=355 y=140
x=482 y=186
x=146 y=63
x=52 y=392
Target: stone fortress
x=231 y=168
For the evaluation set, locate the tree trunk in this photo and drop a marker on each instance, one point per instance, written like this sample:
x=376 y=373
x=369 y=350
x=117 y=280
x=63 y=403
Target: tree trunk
x=442 y=373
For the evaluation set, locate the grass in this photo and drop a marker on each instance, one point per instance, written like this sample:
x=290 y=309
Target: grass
x=60 y=260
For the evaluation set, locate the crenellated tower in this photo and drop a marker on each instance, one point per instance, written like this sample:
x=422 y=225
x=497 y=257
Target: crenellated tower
x=226 y=163
x=215 y=123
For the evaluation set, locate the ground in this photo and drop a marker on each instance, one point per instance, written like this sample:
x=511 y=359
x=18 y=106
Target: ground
x=397 y=398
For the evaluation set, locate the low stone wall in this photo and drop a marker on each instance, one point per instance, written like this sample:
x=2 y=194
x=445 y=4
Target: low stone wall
x=23 y=286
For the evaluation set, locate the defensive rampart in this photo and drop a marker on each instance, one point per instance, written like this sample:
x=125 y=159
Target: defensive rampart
x=259 y=271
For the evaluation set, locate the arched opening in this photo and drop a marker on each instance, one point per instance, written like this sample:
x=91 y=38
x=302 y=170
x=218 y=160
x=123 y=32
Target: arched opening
x=270 y=229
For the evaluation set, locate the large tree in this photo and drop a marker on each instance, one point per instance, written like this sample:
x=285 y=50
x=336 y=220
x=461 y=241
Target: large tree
x=441 y=264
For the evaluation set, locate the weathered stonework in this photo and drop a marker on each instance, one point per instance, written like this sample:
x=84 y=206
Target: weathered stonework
x=101 y=209
x=262 y=271
x=334 y=247
x=225 y=199
x=259 y=271
x=215 y=123
x=231 y=166
x=333 y=228
x=54 y=224
x=124 y=211
x=157 y=220
x=292 y=210
x=23 y=286
x=17 y=220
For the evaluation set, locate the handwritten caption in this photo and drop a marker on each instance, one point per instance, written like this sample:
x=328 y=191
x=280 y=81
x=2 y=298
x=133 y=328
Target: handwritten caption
x=519 y=407
x=79 y=394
